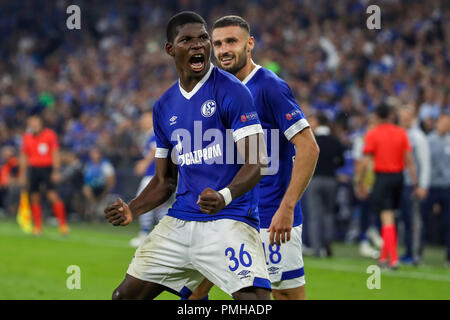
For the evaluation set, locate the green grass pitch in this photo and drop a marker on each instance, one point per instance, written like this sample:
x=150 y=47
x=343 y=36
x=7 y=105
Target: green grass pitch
x=36 y=268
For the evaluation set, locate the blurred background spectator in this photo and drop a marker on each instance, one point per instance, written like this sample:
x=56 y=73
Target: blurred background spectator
x=71 y=190
x=410 y=204
x=438 y=201
x=322 y=188
x=9 y=184
x=99 y=180
x=95 y=83
x=368 y=223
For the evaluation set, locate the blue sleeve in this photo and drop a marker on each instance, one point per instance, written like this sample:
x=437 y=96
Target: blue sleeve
x=163 y=145
x=239 y=113
x=286 y=112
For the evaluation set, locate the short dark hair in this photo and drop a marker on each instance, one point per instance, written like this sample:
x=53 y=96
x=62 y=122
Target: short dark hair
x=181 y=19
x=232 y=21
x=383 y=111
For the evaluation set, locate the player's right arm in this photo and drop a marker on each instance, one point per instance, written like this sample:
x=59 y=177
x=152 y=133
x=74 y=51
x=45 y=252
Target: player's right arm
x=157 y=191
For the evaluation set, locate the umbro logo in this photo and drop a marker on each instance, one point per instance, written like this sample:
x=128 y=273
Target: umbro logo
x=173 y=120
x=244 y=274
x=273 y=270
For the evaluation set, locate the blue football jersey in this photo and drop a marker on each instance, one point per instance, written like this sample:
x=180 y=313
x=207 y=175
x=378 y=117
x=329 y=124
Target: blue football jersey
x=281 y=119
x=198 y=131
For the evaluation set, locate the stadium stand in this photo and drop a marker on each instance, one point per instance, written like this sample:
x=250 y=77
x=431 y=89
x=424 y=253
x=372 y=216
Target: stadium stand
x=93 y=84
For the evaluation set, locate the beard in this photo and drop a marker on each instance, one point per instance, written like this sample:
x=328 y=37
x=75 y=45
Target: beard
x=241 y=61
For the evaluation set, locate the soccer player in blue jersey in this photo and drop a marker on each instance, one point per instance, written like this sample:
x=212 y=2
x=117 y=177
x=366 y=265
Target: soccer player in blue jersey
x=279 y=207
x=206 y=126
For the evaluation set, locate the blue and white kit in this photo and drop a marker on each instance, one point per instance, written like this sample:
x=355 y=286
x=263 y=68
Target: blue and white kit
x=281 y=119
x=195 y=129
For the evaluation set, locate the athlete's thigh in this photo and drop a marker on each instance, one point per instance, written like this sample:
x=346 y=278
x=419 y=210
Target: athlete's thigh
x=229 y=253
x=133 y=288
x=285 y=263
x=164 y=256
x=252 y=293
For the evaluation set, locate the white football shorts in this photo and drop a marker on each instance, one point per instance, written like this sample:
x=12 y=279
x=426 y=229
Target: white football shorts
x=285 y=263
x=179 y=254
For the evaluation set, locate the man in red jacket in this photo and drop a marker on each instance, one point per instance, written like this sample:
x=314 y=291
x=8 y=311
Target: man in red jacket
x=40 y=159
x=391 y=151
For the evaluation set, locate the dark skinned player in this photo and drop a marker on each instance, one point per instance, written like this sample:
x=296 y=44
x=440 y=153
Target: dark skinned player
x=212 y=228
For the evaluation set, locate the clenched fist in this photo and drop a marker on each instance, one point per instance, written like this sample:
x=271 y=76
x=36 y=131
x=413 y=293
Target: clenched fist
x=118 y=214
x=210 y=201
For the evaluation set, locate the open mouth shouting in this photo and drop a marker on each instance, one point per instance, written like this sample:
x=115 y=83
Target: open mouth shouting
x=197 y=62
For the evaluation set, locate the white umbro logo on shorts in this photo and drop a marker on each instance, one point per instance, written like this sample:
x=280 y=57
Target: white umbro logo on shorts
x=173 y=120
x=208 y=108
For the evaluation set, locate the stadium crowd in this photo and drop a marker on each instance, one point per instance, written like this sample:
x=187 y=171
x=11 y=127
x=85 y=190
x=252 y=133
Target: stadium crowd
x=92 y=85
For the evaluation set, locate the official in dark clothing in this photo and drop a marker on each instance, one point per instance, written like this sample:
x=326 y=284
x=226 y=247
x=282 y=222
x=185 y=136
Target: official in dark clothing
x=322 y=188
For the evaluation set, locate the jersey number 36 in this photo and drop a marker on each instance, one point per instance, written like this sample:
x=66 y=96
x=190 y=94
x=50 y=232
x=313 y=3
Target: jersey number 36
x=244 y=258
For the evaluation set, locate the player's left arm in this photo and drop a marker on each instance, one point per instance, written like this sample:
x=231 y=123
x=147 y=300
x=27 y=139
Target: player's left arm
x=253 y=150
x=239 y=113
x=289 y=117
x=306 y=155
